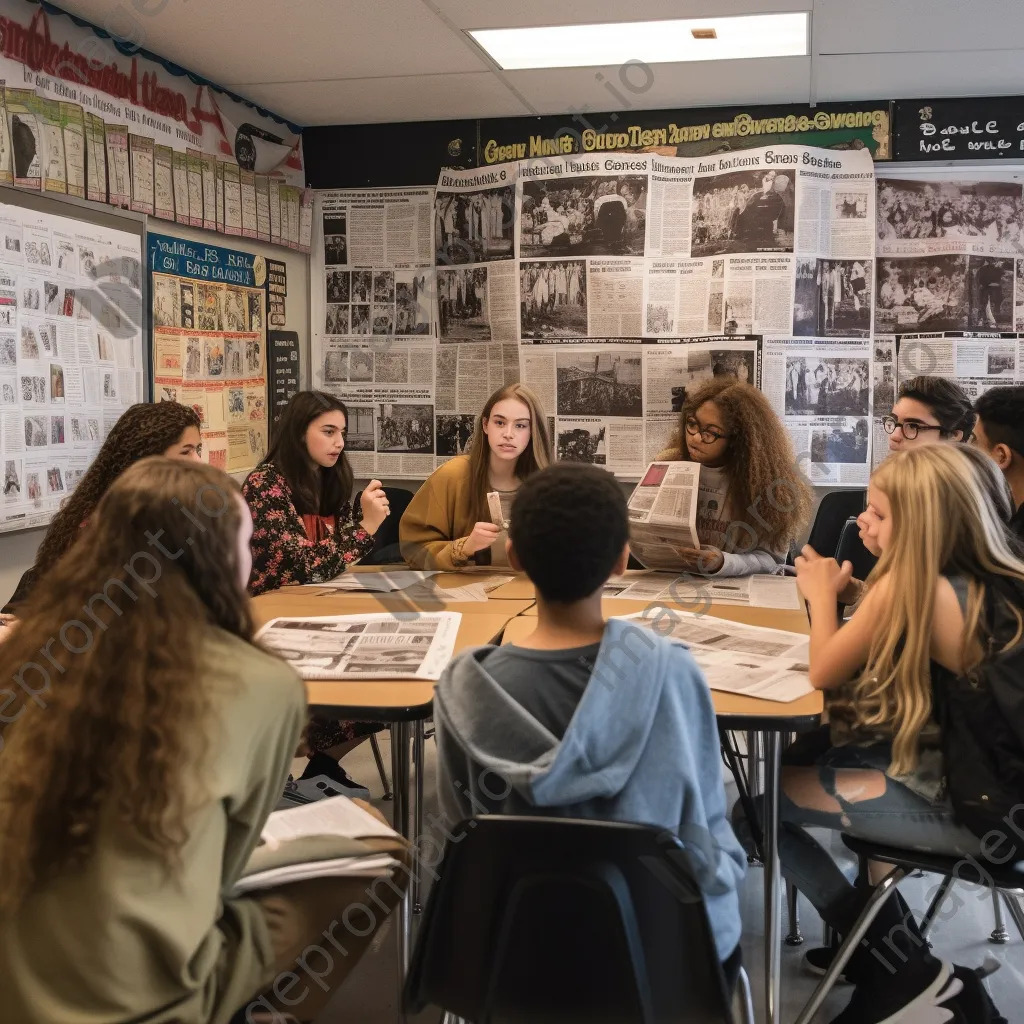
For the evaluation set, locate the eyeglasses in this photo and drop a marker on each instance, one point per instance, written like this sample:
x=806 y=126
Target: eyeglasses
x=707 y=436
x=910 y=428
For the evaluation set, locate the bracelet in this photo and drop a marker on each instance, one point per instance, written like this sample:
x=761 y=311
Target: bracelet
x=459 y=551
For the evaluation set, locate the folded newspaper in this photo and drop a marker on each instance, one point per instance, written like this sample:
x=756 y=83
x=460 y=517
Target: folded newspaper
x=663 y=514
x=322 y=839
x=369 y=646
x=376 y=582
x=750 y=661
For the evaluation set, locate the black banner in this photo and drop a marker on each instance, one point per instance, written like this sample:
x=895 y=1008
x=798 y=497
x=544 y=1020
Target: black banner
x=282 y=372
x=971 y=129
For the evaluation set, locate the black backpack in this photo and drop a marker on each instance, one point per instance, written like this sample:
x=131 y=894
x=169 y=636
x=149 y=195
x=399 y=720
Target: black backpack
x=982 y=724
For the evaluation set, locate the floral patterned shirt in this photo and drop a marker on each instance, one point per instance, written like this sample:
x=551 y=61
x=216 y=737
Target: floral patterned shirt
x=282 y=551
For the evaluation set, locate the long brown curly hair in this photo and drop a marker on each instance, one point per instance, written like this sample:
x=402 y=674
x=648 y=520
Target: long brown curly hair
x=143 y=429
x=112 y=708
x=761 y=464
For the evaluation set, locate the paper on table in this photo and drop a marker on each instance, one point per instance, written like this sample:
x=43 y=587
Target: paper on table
x=761 y=591
x=349 y=867
x=778 y=679
x=376 y=582
x=335 y=816
x=430 y=591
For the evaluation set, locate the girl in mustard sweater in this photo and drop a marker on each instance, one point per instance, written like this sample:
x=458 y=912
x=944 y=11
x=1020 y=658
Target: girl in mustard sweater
x=447 y=525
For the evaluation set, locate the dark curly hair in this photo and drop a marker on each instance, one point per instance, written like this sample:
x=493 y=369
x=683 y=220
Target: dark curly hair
x=122 y=730
x=144 y=429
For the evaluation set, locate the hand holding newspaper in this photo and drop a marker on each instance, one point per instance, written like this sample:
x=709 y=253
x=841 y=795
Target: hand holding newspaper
x=663 y=514
x=494 y=507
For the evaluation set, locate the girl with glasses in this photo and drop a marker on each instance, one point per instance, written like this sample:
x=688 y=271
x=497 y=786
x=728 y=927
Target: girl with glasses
x=753 y=500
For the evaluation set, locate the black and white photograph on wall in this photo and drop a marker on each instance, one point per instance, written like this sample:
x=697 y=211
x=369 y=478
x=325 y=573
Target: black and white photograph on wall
x=991 y=210
x=1001 y=361
x=383 y=286
x=8 y=394
x=473 y=227
x=462 y=304
x=33 y=389
x=412 y=303
x=742 y=211
x=454 y=434
x=991 y=293
x=338 y=285
x=188 y=306
x=740 y=364
x=599 y=383
x=582 y=444
x=383 y=320
x=840 y=443
x=406 y=429
x=585 y=216
x=851 y=205
x=884 y=396
x=921 y=293
x=335 y=241
x=362 y=285
x=8 y=350
x=553 y=299
x=12 y=480
x=36 y=428
x=831 y=386
x=56 y=430
x=336 y=366
x=739 y=312
x=337 y=319
x=832 y=299
x=360 y=429
x=674 y=377
x=361 y=323
x=360 y=366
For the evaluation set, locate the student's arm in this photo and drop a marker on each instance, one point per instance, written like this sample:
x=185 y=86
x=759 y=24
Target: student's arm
x=427 y=528
x=281 y=551
x=760 y=560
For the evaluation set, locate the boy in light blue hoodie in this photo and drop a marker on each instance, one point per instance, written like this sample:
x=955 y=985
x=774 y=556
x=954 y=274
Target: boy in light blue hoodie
x=588 y=718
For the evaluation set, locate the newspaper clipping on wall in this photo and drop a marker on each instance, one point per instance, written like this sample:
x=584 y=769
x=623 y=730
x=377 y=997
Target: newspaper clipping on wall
x=209 y=344
x=71 y=355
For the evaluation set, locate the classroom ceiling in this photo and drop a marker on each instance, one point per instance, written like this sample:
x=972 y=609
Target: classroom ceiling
x=348 y=62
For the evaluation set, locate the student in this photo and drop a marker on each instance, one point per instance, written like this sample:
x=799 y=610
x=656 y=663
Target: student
x=305 y=531
x=753 y=500
x=999 y=431
x=447 y=524
x=134 y=792
x=164 y=428
x=928 y=410
x=304 y=526
x=920 y=625
x=540 y=720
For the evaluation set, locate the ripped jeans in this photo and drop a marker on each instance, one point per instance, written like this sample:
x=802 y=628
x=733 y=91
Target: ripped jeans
x=846 y=790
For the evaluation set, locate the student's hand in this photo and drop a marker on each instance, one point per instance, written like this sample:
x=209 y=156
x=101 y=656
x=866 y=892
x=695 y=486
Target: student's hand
x=374 y=503
x=817 y=577
x=704 y=560
x=483 y=536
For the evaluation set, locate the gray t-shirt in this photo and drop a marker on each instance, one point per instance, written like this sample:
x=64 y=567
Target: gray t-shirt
x=548 y=684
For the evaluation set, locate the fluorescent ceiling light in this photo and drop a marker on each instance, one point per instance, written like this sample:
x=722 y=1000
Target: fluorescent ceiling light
x=653 y=42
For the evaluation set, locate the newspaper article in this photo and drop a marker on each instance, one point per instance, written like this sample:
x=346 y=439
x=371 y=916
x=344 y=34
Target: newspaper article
x=388 y=385
x=388 y=227
x=821 y=389
x=474 y=215
x=369 y=646
x=478 y=302
x=663 y=514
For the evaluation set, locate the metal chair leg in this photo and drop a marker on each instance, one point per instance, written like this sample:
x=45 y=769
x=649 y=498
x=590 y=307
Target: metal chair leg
x=417 y=826
x=380 y=766
x=742 y=1004
x=936 y=904
x=1000 y=936
x=882 y=892
x=1012 y=902
x=794 y=938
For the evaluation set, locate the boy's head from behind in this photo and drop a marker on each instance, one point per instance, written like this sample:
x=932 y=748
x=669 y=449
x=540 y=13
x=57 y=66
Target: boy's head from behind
x=1000 y=428
x=569 y=530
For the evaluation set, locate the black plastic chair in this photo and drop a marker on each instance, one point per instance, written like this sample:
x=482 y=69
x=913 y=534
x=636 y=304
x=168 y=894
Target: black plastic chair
x=851 y=548
x=544 y=920
x=835 y=509
x=386 y=550
x=1002 y=880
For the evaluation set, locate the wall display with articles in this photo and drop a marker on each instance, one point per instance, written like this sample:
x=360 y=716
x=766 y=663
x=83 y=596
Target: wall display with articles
x=209 y=343
x=282 y=371
x=71 y=357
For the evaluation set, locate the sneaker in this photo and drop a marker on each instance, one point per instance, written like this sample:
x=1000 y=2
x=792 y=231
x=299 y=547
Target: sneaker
x=324 y=768
x=819 y=960
x=910 y=997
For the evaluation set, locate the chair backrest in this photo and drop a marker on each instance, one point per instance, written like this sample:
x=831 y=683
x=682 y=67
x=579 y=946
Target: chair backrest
x=851 y=548
x=546 y=920
x=387 y=533
x=835 y=508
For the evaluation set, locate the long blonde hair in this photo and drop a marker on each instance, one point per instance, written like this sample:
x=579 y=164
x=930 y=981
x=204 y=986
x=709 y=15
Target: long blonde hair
x=944 y=521
x=536 y=455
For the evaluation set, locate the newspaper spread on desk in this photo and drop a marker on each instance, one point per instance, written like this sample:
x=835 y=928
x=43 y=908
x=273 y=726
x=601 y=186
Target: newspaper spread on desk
x=372 y=646
x=663 y=514
x=750 y=661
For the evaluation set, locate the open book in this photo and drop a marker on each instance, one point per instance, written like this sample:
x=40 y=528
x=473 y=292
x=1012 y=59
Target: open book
x=663 y=514
x=318 y=840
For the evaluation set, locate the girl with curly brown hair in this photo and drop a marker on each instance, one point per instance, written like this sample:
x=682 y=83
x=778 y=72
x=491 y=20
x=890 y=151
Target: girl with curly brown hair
x=146 y=739
x=166 y=428
x=753 y=499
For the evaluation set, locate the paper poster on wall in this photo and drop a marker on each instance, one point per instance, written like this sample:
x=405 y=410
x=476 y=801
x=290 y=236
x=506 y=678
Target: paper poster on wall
x=209 y=343
x=70 y=353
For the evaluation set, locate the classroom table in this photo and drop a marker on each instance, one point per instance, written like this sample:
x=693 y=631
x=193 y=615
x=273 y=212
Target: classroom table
x=772 y=720
x=403 y=703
